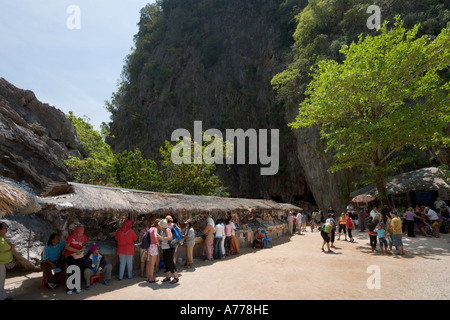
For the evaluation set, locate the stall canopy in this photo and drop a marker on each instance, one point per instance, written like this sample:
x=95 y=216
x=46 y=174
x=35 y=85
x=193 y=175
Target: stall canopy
x=426 y=179
x=90 y=198
x=14 y=199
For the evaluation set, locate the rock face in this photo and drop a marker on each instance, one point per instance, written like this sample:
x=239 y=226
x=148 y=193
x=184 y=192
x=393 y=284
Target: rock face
x=34 y=138
x=222 y=80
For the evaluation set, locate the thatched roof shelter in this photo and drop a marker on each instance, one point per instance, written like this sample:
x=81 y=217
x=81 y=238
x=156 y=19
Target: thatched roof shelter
x=12 y=198
x=89 y=198
x=425 y=179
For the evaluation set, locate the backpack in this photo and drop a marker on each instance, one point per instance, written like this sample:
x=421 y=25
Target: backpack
x=176 y=237
x=145 y=243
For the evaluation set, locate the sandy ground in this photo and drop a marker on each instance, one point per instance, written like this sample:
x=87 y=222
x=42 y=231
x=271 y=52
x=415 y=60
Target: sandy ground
x=293 y=269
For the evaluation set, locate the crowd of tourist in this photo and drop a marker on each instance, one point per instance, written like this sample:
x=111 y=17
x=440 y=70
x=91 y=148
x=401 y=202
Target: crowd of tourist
x=385 y=228
x=157 y=248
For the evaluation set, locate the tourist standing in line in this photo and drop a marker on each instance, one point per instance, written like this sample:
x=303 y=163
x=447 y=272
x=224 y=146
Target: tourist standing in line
x=234 y=241
x=208 y=246
x=396 y=232
x=152 y=252
x=171 y=224
x=219 y=233
x=75 y=247
x=290 y=221
x=227 y=237
x=168 y=252
x=342 y=226
x=126 y=237
x=189 y=240
x=6 y=257
x=143 y=252
x=350 y=226
x=298 y=221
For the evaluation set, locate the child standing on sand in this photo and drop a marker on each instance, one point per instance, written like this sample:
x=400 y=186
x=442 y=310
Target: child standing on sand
x=381 y=233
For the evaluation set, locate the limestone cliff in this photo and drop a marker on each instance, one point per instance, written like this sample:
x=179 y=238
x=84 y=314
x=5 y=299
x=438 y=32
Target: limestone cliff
x=212 y=65
x=34 y=138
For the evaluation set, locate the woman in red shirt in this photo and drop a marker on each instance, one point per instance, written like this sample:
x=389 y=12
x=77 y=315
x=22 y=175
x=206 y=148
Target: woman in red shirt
x=126 y=237
x=75 y=247
x=350 y=226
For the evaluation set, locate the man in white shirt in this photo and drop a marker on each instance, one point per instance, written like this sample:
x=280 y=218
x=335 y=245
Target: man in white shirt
x=218 y=236
x=434 y=220
x=290 y=220
x=298 y=220
x=374 y=212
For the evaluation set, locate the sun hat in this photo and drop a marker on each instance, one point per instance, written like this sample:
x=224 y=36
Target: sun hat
x=163 y=223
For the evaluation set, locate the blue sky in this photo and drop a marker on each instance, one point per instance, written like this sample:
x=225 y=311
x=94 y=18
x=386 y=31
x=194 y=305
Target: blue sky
x=70 y=69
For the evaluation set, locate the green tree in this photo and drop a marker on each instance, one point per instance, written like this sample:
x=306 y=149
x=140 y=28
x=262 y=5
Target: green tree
x=134 y=172
x=96 y=166
x=196 y=178
x=386 y=95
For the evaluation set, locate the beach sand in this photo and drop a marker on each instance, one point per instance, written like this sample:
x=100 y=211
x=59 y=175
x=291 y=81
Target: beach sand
x=295 y=268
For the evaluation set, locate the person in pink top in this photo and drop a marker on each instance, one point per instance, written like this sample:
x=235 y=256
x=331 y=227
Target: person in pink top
x=228 y=231
x=126 y=237
x=153 y=251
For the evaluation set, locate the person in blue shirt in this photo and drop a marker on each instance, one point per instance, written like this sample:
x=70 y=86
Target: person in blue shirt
x=52 y=260
x=95 y=264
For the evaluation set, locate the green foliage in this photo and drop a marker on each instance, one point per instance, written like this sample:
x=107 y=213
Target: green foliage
x=96 y=167
x=129 y=169
x=386 y=95
x=198 y=177
x=90 y=171
x=132 y=171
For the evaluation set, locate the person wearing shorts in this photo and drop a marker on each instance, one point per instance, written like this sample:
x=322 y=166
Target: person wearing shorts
x=152 y=252
x=396 y=232
x=342 y=226
x=326 y=231
x=434 y=220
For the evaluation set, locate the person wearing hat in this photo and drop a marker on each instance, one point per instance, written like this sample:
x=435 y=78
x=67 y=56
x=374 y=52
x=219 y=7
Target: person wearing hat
x=95 y=264
x=126 y=237
x=189 y=238
x=168 y=252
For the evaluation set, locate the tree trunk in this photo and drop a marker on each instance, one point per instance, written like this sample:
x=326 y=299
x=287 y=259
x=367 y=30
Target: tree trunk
x=381 y=188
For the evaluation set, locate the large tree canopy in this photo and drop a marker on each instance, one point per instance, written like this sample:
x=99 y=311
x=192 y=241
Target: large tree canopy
x=386 y=95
